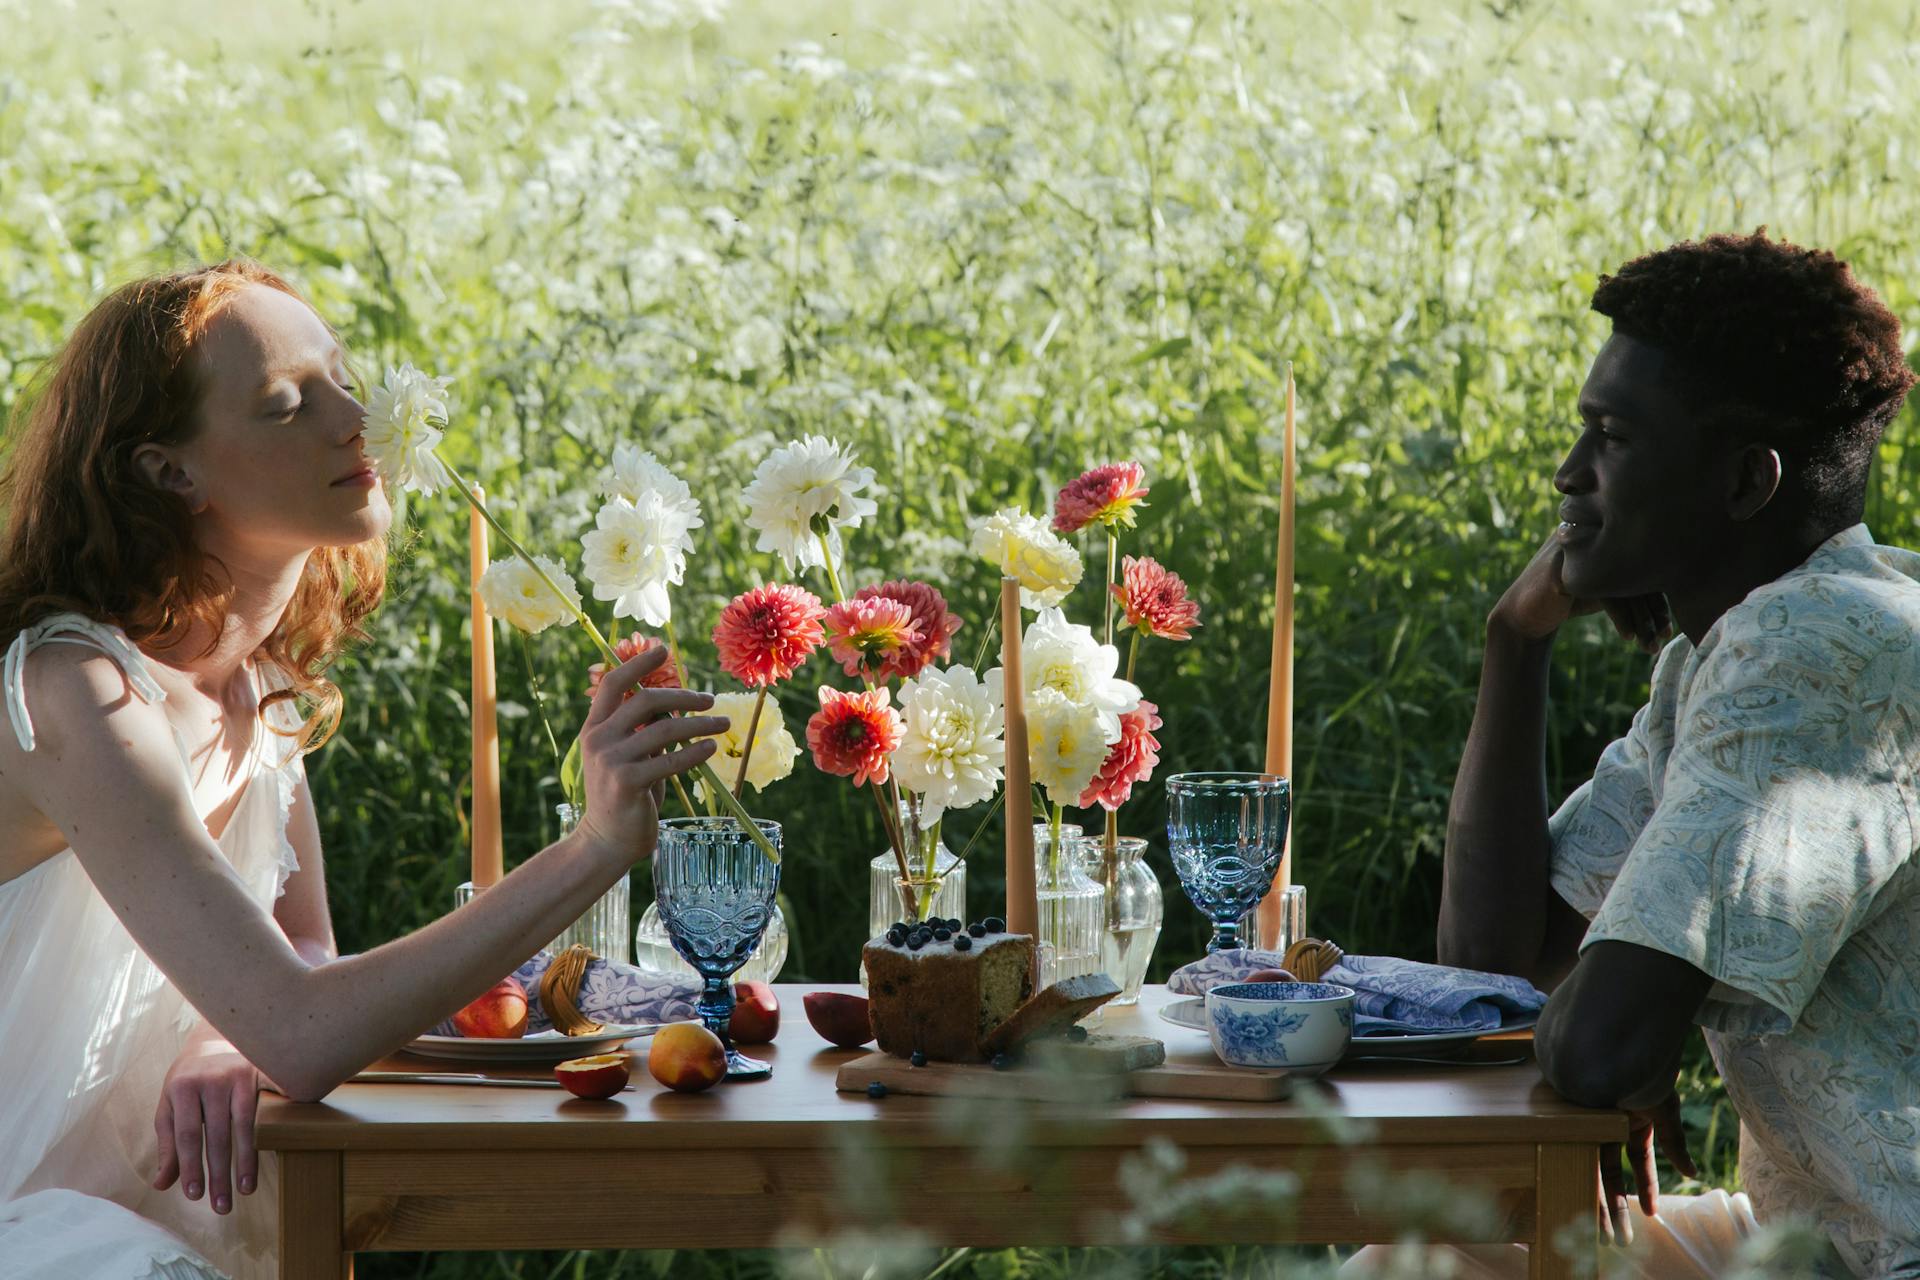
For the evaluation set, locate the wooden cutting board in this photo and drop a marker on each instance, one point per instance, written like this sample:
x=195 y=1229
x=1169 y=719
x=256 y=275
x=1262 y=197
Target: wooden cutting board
x=1102 y=1067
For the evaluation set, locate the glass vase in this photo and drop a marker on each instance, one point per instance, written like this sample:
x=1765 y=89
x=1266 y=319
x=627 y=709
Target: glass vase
x=653 y=949
x=1071 y=907
x=1130 y=925
x=603 y=929
x=936 y=883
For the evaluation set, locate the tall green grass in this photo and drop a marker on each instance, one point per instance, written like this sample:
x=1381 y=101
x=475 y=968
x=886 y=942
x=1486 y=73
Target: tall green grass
x=987 y=245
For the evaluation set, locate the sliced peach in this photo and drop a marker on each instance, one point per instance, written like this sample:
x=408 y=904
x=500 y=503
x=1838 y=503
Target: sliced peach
x=600 y=1076
x=1268 y=975
x=756 y=1014
x=841 y=1019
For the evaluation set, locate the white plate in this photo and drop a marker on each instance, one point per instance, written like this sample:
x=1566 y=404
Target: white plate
x=545 y=1046
x=1191 y=1013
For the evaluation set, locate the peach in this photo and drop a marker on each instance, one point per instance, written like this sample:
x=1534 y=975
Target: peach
x=600 y=1076
x=1269 y=975
x=756 y=1014
x=499 y=1014
x=841 y=1019
x=687 y=1057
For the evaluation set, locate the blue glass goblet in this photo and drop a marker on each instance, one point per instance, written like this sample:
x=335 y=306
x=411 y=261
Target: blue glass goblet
x=715 y=890
x=1226 y=832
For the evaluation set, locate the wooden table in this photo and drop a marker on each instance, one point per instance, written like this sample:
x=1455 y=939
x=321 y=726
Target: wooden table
x=789 y=1161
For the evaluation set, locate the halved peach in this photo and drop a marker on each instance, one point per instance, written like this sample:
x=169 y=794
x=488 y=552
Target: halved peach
x=600 y=1076
x=841 y=1019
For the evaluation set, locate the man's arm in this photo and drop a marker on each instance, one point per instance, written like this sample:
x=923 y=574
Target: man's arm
x=1611 y=1036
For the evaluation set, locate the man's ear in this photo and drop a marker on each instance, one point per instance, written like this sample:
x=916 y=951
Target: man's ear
x=164 y=472
x=1755 y=479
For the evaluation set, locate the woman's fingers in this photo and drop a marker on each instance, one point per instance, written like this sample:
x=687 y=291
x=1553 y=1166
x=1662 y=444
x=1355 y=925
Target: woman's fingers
x=653 y=704
x=652 y=769
x=169 y=1171
x=614 y=685
x=662 y=734
x=186 y=1138
x=215 y=1105
x=246 y=1158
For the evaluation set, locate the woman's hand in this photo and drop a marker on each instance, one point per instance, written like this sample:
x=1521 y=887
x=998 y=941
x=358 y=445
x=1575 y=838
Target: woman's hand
x=630 y=745
x=207 y=1104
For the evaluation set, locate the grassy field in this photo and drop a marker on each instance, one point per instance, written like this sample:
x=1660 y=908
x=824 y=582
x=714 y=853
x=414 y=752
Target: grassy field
x=987 y=244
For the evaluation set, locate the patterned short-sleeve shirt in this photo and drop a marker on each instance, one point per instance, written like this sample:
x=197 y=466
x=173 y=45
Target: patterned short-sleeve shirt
x=1759 y=821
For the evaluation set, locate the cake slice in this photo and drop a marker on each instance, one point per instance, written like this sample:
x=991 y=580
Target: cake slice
x=943 y=996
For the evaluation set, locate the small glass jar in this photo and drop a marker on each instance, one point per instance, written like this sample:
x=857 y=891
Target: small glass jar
x=1071 y=906
x=1130 y=926
x=603 y=929
x=936 y=884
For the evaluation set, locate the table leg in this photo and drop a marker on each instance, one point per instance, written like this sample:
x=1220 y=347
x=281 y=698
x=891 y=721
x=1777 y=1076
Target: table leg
x=312 y=1217
x=1565 y=1194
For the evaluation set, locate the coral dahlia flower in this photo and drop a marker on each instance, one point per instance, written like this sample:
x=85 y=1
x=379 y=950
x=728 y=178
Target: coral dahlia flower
x=933 y=624
x=765 y=633
x=865 y=634
x=664 y=676
x=1105 y=495
x=1155 y=599
x=1130 y=760
x=852 y=734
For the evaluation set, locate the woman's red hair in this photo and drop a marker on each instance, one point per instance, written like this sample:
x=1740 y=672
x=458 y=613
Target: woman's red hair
x=85 y=532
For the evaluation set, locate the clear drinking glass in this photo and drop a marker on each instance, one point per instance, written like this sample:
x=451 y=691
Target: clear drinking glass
x=715 y=889
x=1226 y=832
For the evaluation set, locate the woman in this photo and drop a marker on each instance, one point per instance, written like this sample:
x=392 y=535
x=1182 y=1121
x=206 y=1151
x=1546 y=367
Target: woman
x=192 y=534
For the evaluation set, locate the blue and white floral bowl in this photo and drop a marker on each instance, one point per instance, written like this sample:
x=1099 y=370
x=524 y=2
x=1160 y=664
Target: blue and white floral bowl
x=1304 y=1027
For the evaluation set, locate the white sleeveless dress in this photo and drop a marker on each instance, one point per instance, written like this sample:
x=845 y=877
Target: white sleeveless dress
x=89 y=1027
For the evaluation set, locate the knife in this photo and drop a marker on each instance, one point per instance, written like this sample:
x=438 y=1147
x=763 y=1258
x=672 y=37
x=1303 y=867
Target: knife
x=449 y=1077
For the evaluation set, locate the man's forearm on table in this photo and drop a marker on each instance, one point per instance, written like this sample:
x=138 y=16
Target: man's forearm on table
x=1494 y=896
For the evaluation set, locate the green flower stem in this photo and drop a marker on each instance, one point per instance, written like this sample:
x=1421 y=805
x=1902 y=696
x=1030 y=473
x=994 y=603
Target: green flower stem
x=702 y=772
x=986 y=639
x=746 y=749
x=1113 y=555
x=1000 y=798
x=1133 y=654
x=1053 y=853
x=833 y=578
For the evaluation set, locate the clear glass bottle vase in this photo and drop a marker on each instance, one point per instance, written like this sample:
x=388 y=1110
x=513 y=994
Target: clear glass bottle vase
x=603 y=929
x=937 y=885
x=1130 y=925
x=653 y=949
x=1071 y=905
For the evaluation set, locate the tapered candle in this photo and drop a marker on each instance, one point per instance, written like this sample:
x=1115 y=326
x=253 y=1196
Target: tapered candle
x=488 y=854
x=1280 y=687
x=1023 y=903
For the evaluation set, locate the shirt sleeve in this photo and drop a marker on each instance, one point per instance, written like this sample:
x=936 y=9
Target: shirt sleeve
x=1786 y=807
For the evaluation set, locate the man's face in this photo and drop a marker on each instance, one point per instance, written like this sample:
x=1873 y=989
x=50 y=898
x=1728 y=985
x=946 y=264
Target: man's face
x=1640 y=509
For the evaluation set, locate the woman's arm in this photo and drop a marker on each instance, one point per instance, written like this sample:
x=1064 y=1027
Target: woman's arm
x=309 y=1027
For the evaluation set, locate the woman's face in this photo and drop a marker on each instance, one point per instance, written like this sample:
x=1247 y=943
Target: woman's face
x=275 y=467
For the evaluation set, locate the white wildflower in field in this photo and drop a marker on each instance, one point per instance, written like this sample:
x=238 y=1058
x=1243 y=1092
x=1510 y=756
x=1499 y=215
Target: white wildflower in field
x=1066 y=744
x=1023 y=547
x=806 y=493
x=636 y=551
x=404 y=418
x=952 y=751
x=1064 y=656
x=756 y=345
x=512 y=590
x=774 y=748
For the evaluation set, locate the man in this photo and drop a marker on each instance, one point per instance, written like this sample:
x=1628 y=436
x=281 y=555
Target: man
x=1742 y=859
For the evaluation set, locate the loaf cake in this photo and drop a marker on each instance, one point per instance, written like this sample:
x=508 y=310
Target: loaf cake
x=940 y=988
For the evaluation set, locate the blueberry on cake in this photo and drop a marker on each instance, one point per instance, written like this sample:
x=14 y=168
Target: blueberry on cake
x=940 y=987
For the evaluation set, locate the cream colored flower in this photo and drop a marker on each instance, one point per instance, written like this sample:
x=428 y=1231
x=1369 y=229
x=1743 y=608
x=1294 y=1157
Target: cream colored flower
x=774 y=749
x=1062 y=656
x=512 y=590
x=1023 y=548
x=404 y=417
x=951 y=751
x=638 y=550
x=802 y=492
x=1066 y=744
x=633 y=471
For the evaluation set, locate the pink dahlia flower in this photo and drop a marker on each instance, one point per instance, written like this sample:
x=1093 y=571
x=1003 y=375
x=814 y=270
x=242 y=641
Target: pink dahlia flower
x=1105 y=495
x=1130 y=760
x=853 y=734
x=765 y=633
x=664 y=676
x=865 y=633
x=1155 y=599
x=932 y=623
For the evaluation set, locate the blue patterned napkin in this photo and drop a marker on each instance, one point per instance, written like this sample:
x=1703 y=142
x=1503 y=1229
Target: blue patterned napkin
x=610 y=992
x=1393 y=997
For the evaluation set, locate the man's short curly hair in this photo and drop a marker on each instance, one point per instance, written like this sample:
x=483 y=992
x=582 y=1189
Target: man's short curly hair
x=1776 y=344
